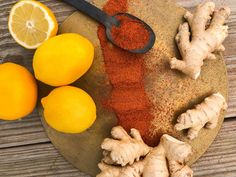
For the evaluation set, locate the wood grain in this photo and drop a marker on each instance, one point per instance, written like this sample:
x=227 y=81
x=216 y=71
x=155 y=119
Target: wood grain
x=220 y=158
x=35 y=160
x=44 y=160
x=22 y=132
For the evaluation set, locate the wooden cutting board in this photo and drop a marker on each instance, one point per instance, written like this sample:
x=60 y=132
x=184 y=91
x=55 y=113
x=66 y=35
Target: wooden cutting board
x=167 y=89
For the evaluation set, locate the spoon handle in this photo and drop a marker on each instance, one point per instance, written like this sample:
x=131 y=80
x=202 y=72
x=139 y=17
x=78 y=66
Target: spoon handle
x=93 y=12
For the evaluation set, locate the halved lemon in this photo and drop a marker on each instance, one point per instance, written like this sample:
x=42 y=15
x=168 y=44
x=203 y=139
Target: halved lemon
x=31 y=23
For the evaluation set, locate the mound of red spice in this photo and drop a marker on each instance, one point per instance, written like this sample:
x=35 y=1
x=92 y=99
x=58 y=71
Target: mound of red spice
x=126 y=71
x=131 y=34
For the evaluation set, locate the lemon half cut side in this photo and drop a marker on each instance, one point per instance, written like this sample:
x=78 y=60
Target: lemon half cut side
x=31 y=23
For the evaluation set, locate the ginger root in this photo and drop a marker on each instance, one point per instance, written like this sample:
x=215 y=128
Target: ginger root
x=124 y=149
x=167 y=159
x=206 y=113
x=205 y=38
x=134 y=170
x=170 y=151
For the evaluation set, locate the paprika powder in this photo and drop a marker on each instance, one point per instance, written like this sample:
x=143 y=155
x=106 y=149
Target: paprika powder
x=125 y=72
x=131 y=34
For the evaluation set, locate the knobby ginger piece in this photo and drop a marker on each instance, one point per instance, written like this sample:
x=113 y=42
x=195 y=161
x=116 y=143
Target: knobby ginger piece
x=167 y=159
x=207 y=35
x=170 y=154
x=207 y=113
x=134 y=170
x=124 y=149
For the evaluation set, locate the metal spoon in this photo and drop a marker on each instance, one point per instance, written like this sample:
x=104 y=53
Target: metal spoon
x=110 y=21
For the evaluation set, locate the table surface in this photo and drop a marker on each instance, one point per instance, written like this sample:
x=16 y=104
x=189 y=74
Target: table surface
x=26 y=151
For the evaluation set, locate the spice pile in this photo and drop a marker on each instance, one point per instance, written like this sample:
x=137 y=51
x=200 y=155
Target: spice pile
x=130 y=34
x=125 y=70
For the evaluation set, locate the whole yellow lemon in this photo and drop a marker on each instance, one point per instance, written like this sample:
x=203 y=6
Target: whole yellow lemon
x=69 y=109
x=18 y=91
x=63 y=59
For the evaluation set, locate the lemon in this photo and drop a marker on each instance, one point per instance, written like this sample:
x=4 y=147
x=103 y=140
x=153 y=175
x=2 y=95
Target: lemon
x=18 y=91
x=69 y=109
x=31 y=23
x=63 y=59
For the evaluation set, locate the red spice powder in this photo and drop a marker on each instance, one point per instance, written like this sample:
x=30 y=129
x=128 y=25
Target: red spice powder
x=131 y=34
x=126 y=74
x=113 y=7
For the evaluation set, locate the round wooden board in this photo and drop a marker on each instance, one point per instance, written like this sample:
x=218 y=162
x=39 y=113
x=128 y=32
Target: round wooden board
x=168 y=89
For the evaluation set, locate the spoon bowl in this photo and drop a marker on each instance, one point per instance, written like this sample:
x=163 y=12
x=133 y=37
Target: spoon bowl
x=150 y=42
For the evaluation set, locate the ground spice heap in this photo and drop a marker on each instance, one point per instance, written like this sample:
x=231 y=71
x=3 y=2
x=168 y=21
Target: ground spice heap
x=125 y=70
x=131 y=34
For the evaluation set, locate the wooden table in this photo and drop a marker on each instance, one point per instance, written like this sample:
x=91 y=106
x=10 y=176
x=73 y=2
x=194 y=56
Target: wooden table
x=26 y=151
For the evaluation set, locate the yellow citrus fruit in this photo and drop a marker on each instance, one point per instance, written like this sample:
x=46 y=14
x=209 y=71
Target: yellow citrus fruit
x=31 y=23
x=69 y=109
x=63 y=59
x=18 y=91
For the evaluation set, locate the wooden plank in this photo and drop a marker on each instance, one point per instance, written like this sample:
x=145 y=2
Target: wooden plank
x=220 y=158
x=230 y=44
x=44 y=160
x=35 y=160
x=22 y=132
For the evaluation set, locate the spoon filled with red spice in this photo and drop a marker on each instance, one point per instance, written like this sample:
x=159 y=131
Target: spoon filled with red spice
x=123 y=30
